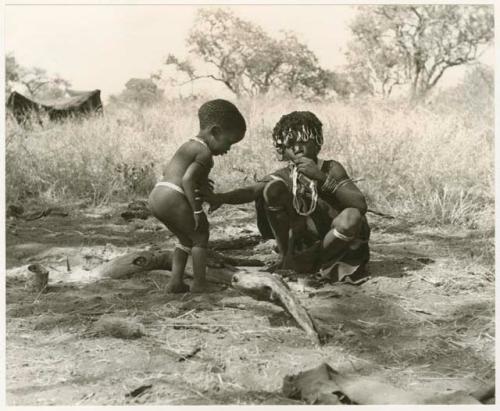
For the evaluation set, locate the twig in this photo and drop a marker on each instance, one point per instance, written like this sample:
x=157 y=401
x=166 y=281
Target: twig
x=234 y=244
x=237 y=306
x=426 y=280
x=39 y=294
x=155 y=283
x=138 y=391
x=440 y=378
x=390 y=217
x=418 y=310
x=206 y=327
x=189 y=355
x=86 y=397
x=186 y=313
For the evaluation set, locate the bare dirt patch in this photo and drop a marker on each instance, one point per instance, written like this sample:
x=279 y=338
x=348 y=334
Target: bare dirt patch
x=425 y=319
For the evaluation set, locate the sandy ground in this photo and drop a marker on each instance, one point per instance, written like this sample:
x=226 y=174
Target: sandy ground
x=425 y=319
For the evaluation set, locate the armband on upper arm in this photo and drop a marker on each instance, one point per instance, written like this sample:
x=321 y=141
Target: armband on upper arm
x=332 y=184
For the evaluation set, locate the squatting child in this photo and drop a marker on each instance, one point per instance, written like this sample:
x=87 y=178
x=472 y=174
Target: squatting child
x=175 y=202
x=311 y=207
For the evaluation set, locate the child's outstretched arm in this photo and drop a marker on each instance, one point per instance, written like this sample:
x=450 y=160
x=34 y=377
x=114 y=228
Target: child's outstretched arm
x=242 y=195
x=238 y=196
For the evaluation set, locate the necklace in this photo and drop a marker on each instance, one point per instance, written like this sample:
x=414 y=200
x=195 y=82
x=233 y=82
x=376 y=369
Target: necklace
x=199 y=140
x=312 y=188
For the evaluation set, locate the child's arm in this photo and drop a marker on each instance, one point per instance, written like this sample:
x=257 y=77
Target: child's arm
x=238 y=196
x=196 y=172
x=242 y=195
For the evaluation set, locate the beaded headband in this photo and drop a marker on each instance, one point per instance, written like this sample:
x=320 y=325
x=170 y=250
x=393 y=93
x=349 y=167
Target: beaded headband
x=289 y=137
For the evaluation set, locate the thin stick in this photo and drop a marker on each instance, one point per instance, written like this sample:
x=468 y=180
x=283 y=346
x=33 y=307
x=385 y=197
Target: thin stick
x=204 y=327
x=39 y=294
x=390 y=217
x=155 y=283
x=186 y=313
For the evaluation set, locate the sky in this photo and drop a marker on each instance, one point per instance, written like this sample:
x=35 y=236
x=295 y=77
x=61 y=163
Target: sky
x=103 y=46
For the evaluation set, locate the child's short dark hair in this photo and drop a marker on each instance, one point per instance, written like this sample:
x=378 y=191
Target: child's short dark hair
x=222 y=113
x=295 y=127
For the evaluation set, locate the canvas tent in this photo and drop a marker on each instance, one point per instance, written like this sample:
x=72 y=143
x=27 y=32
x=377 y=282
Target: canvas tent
x=78 y=103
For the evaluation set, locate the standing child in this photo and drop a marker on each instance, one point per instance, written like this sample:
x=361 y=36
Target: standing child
x=173 y=200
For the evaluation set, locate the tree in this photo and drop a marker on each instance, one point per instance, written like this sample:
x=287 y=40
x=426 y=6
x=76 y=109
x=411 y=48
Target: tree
x=11 y=74
x=139 y=91
x=37 y=82
x=44 y=86
x=373 y=64
x=476 y=91
x=11 y=71
x=243 y=57
x=299 y=72
x=417 y=44
x=480 y=80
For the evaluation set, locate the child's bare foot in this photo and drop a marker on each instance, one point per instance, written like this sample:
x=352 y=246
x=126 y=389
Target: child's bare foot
x=176 y=287
x=199 y=287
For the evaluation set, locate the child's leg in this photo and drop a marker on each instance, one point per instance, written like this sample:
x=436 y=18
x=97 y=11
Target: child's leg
x=344 y=229
x=278 y=201
x=176 y=283
x=199 y=269
x=199 y=254
x=173 y=210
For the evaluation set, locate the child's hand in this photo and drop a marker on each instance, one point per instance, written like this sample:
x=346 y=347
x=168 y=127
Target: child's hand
x=215 y=202
x=210 y=184
x=305 y=165
x=197 y=220
x=206 y=188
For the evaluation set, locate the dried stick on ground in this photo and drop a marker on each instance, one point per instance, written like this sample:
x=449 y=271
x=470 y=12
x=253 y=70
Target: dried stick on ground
x=235 y=243
x=220 y=267
x=269 y=287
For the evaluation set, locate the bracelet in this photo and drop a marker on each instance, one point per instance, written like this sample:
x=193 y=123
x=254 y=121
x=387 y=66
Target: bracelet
x=341 y=236
x=198 y=212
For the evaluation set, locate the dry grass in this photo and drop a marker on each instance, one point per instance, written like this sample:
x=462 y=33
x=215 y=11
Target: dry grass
x=432 y=164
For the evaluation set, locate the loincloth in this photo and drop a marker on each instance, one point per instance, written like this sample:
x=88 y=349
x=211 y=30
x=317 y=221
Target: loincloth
x=171 y=186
